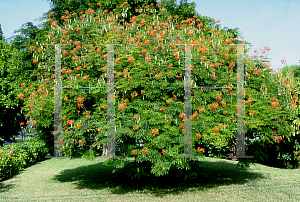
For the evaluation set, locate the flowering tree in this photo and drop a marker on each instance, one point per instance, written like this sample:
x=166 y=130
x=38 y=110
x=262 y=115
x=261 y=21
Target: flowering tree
x=149 y=81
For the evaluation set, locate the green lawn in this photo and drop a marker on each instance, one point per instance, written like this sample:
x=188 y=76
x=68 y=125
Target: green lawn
x=62 y=179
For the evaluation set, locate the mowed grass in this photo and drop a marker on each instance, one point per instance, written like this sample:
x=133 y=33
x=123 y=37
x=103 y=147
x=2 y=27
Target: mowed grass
x=62 y=179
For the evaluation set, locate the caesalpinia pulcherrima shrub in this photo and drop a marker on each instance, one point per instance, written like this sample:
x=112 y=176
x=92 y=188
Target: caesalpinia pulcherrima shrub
x=149 y=87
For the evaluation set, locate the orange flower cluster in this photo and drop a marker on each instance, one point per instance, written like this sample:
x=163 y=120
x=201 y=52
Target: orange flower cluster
x=158 y=75
x=135 y=128
x=122 y=106
x=81 y=99
x=177 y=76
x=79 y=68
x=136 y=116
x=181 y=126
x=251 y=114
x=219 y=96
x=222 y=126
x=194 y=116
x=134 y=95
x=223 y=103
x=154 y=132
x=163 y=151
x=198 y=135
x=86 y=77
x=213 y=106
x=168 y=120
x=181 y=116
x=249 y=100
x=21 y=96
x=70 y=122
x=134 y=152
x=90 y=11
x=257 y=72
x=168 y=101
x=204 y=57
x=216 y=130
x=144 y=150
x=32 y=47
x=201 y=110
x=279 y=138
x=274 y=104
x=131 y=59
x=200 y=150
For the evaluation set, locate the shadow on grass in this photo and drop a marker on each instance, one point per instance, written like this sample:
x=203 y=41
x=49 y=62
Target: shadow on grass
x=210 y=174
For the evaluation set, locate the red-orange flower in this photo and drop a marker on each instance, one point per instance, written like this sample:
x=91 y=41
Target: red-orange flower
x=163 y=151
x=200 y=150
x=219 y=96
x=163 y=109
x=134 y=152
x=70 y=122
x=181 y=116
x=154 y=132
x=21 y=96
x=81 y=99
x=216 y=130
x=131 y=59
x=144 y=150
x=86 y=77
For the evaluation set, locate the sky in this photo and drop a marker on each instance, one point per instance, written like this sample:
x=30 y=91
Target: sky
x=272 y=23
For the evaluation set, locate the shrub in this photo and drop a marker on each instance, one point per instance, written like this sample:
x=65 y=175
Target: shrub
x=17 y=156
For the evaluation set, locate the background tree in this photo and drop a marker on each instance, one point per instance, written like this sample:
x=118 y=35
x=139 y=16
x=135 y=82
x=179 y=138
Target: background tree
x=286 y=70
x=1 y=34
x=10 y=108
x=16 y=68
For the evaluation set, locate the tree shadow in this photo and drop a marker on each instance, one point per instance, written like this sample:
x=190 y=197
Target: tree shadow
x=210 y=175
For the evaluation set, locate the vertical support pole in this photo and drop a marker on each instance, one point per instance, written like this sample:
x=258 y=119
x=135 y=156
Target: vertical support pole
x=240 y=143
x=187 y=103
x=110 y=101
x=57 y=103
